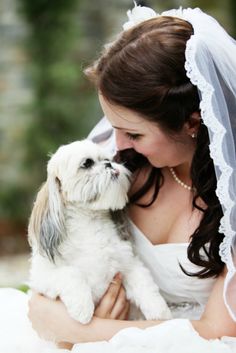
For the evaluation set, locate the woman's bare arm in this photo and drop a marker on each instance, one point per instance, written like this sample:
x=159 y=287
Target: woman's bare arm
x=110 y=317
x=216 y=321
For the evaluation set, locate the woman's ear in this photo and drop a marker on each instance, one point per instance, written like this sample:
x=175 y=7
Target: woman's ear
x=192 y=125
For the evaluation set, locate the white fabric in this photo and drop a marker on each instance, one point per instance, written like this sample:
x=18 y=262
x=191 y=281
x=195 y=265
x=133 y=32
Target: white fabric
x=16 y=333
x=103 y=133
x=188 y=294
x=175 y=336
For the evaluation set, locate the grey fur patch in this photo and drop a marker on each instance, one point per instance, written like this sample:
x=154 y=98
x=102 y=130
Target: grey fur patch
x=51 y=236
x=52 y=229
x=120 y=219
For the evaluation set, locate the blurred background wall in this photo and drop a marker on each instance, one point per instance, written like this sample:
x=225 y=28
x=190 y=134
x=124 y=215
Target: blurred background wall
x=45 y=100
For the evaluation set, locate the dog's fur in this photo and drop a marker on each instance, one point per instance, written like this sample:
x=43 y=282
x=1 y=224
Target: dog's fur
x=80 y=238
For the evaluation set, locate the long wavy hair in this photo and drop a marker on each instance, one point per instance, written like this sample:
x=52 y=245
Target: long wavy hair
x=143 y=70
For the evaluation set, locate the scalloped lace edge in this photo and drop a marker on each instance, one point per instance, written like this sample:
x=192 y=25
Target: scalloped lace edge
x=217 y=132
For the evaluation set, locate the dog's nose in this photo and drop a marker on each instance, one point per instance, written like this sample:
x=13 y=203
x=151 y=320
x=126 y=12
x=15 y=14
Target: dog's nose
x=108 y=165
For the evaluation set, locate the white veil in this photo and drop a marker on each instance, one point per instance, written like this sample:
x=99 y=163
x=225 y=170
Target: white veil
x=211 y=66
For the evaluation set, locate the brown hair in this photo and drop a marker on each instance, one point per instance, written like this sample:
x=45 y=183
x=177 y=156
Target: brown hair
x=143 y=70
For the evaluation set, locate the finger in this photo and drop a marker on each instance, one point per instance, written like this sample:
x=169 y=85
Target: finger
x=65 y=345
x=119 y=304
x=124 y=315
x=117 y=279
x=108 y=300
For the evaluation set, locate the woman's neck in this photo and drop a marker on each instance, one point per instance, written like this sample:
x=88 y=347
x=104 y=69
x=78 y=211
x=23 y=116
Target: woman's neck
x=183 y=172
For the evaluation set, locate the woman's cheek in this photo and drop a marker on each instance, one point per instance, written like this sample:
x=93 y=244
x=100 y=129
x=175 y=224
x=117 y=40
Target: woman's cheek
x=140 y=148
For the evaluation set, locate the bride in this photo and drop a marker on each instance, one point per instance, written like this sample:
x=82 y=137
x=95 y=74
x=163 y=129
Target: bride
x=167 y=86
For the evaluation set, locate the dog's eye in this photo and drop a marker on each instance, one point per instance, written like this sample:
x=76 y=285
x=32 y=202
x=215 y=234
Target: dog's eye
x=88 y=163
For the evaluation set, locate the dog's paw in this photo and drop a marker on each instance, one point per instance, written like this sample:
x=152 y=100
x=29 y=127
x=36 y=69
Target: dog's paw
x=81 y=311
x=156 y=309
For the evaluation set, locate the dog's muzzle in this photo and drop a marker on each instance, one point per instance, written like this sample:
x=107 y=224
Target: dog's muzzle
x=114 y=172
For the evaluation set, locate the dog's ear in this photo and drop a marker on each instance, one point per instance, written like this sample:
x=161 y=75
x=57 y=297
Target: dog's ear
x=47 y=221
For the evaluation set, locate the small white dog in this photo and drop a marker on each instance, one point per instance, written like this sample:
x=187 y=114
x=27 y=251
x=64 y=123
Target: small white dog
x=78 y=239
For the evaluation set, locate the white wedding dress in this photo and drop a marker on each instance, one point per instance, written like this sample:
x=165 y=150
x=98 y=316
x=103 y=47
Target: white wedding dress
x=185 y=295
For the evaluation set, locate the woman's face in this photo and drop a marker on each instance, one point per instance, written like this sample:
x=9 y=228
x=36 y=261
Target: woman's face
x=145 y=137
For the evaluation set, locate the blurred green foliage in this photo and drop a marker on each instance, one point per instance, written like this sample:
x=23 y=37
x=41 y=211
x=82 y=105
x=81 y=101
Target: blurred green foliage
x=65 y=105
x=15 y=203
x=23 y=288
x=232 y=11
x=60 y=88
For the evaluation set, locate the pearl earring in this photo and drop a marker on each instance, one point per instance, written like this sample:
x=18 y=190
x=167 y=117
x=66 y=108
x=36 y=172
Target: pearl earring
x=193 y=136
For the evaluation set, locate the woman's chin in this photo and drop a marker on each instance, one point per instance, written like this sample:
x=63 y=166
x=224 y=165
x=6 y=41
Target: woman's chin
x=156 y=163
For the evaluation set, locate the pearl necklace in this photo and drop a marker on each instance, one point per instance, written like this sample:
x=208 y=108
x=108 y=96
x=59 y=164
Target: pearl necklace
x=180 y=182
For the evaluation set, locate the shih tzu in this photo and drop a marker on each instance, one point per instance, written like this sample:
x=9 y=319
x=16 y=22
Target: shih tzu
x=79 y=234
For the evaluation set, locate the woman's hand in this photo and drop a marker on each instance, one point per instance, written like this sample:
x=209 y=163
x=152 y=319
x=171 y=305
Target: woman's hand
x=49 y=318
x=114 y=304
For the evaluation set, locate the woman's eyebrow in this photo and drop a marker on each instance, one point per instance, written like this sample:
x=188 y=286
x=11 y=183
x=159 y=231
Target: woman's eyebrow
x=122 y=128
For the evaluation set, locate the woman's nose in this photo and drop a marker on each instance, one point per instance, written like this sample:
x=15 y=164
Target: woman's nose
x=122 y=142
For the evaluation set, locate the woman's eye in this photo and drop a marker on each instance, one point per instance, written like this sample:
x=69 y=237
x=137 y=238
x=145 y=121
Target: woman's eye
x=133 y=136
x=88 y=163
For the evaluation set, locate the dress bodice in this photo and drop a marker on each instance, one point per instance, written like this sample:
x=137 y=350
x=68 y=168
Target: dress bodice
x=182 y=292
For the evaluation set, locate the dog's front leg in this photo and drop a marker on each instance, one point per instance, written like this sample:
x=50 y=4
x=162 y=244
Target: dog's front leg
x=66 y=282
x=76 y=295
x=142 y=290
